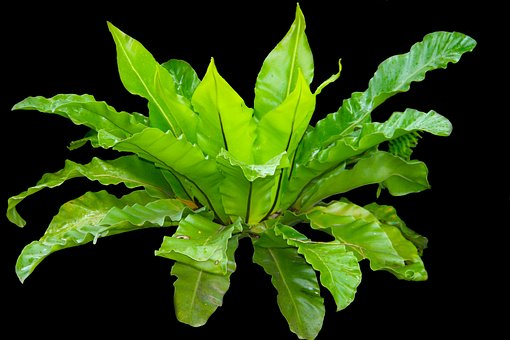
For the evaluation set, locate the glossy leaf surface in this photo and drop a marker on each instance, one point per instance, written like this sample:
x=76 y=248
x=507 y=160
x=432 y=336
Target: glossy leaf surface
x=200 y=242
x=204 y=162
x=359 y=231
x=87 y=218
x=295 y=280
x=129 y=170
x=339 y=269
x=85 y=110
x=400 y=177
x=279 y=73
x=199 y=293
x=224 y=121
x=142 y=75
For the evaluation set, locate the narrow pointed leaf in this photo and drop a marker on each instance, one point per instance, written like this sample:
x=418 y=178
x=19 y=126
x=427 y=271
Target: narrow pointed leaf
x=182 y=157
x=85 y=110
x=339 y=269
x=279 y=73
x=197 y=293
x=296 y=282
x=199 y=241
x=142 y=75
x=359 y=231
x=185 y=78
x=281 y=129
x=129 y=170
x=79 y=221
x=399 y=176
x=224 y=121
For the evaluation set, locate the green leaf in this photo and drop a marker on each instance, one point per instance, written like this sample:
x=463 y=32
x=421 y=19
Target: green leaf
x=296 y=282
x=185 y=78
x=183 y=158
x=435 y=52
x=160 y=212
x=129 y=170
x=371 y=134
x=197 y=293
x=142 y=75
x=80 y=221
x=359 y=231
x=179 y=185
x=414 y=269
x=399 y=176
x=394 y=75
x=404 y=145
x=247 y=191
x=279 y=73
x=254 y=171
x=85 y=110
x=401 y=123
x=281 y=129
x=339 y=269
x=224 y=121
x=199 y=242
x=388 y=215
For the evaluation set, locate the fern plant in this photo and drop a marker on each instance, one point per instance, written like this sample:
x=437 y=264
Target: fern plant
x=214 y=171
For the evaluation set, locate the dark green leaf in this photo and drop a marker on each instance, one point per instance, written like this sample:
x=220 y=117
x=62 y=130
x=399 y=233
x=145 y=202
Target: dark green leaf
x=339 y=269
x=296 y=282
x=359 y=231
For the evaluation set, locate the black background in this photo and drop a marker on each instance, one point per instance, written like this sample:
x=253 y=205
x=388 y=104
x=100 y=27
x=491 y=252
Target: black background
x=119 y=288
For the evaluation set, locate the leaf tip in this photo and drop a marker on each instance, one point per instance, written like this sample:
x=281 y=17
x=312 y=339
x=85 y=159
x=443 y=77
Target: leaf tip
x=21 y=272
x=112 y=28
x=299 y=12
x=20 y=105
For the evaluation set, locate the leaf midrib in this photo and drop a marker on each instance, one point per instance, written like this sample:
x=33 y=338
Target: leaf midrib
x=286 y=286
x=195 y=290
x=294 y=55
x=149 y=93
x=171 y=168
